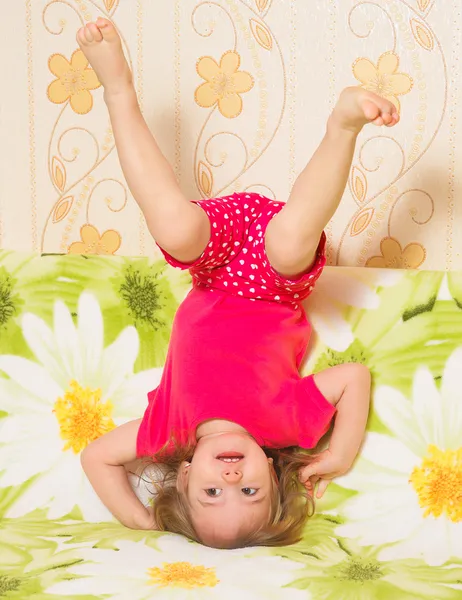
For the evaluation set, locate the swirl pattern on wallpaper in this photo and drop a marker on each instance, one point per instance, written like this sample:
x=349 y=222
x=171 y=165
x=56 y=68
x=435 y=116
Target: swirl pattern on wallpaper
x=383 y=160
x=237 y=93
x=76 y=153
x=228 y=91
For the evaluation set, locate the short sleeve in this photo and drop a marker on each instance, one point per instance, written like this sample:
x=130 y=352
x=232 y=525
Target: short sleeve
x=229 y=222
x=315 y=413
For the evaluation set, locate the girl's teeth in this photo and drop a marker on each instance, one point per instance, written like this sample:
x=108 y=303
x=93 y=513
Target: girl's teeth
x=230 y=459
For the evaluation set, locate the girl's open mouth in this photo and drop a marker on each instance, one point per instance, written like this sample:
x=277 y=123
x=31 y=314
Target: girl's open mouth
x=231 y=457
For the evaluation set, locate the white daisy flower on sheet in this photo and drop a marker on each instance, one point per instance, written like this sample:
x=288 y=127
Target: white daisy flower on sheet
x=75 y=391
x=411 y=484
x=335 y=291
x=180 y=569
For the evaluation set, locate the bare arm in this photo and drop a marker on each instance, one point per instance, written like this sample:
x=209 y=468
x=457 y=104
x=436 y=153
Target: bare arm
x=348 y=388
x=103 y=462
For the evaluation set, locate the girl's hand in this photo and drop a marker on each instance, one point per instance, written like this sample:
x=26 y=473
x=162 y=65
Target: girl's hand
x=324 y=467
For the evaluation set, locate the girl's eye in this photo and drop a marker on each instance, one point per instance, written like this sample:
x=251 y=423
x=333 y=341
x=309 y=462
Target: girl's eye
x=213 y=492
x=249 y=491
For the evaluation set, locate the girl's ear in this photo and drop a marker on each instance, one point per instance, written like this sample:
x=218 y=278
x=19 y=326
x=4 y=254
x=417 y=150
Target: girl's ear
x=182 y=479
x=270 y=461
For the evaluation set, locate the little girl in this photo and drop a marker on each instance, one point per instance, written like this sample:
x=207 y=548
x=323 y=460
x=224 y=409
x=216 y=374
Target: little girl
x=231 y=407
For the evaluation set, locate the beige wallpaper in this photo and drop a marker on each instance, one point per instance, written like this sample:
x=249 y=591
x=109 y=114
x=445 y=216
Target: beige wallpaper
x=237 y=93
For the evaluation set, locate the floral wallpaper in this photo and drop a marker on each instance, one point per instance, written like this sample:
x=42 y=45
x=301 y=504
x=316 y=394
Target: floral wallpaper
x=237 y=92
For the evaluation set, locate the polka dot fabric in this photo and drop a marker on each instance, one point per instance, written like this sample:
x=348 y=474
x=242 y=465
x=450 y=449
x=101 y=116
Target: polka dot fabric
x=235 y=259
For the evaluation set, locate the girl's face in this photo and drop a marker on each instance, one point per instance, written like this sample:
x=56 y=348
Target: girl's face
x=229 y=487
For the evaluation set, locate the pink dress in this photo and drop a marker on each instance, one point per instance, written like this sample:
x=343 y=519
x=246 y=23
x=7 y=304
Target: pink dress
x=238 y=340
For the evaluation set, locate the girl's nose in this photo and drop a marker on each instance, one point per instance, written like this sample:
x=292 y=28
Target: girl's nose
x=232 y=475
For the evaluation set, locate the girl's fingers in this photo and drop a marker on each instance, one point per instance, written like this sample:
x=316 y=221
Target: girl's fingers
x=307 y=473
x=311 y=484
x=322 y=487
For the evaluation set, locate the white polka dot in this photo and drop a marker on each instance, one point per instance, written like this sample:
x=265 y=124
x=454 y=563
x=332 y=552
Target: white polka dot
x=224 y=244
x=258 y=227
x=240 y=293
x=231 y=223
x=270 y=213
x=235 y=204
x=241 y=262
x=247 y=196
x=235 y=283
x=231 y=274
x=237 y=243
x=210 y=244
x=225 y=283
x=254 y=266
x=228 y=269
x=260 y=234
x=226 y=216
x=263 y=287
x=264 y=280
x=209 y=281
x=221 y=254
x=238 y=212
x=246 y=219
x=252 y=277
x=210 y=253
x=296 y=295
x=232 y=253
x=239 y=273
x=244 y=250
x=250 y=238
x=264 y=263
x=217 y=233
x=246 y=206
x=214 y=225
x=252 y=290
x=254 y=255
x=259 y=297
x=277 y=297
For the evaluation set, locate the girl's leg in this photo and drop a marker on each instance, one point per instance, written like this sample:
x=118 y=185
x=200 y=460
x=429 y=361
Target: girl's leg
x=293 y=235
x=178 y=226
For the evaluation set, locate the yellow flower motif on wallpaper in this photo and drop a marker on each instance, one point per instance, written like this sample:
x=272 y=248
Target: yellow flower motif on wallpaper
x=394 y=257
x=383 y=78
x=224 y=84
x=74 y=82
x=94 y=243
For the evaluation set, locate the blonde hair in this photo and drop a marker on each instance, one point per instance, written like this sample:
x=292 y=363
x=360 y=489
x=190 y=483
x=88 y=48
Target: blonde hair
x=290 y=504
